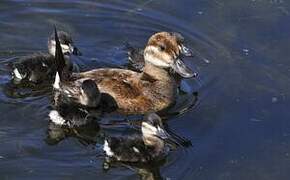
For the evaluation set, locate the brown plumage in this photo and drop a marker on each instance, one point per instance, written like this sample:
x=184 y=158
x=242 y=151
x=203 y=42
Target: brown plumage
x=154 y=89
x=133 y=92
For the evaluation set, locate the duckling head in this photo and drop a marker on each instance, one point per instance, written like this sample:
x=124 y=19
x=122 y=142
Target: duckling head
x=90 y=95
x=66 y=42
x=164 y=50
x=154 y=133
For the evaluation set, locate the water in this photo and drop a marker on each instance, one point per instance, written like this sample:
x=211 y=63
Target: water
x=239 y=127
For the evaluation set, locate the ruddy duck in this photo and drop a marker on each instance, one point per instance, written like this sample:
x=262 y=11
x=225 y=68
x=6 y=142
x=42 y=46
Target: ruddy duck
x=154 y=89
x=136 y=55
x=40 y=67
x=153 y=144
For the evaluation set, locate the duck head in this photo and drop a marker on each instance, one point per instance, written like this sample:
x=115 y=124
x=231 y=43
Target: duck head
x=164 y=50
x=154 y=133
x=90 y=95
x=66 y=42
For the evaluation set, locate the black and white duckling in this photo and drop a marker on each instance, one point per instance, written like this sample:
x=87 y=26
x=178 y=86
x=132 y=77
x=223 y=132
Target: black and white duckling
x=40 y=67
x=68 y=119
x=67 y=112
x=153 y=144
x=154 y=89
x=72 y=116
x=70 y=112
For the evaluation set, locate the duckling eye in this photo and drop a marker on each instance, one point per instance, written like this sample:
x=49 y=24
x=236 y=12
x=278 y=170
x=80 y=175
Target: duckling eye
x=162 y=47
x=155 y=123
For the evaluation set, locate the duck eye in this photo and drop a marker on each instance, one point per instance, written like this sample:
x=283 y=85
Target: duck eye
x=162 y=47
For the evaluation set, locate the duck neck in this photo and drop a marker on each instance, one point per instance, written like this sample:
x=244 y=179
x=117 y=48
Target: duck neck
x=156 y=72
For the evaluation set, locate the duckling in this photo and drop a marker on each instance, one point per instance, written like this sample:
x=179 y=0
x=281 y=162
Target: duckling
x=71 y=114
x=40 y=67
x=152 y=145
x=154 y=89
x=68 y=112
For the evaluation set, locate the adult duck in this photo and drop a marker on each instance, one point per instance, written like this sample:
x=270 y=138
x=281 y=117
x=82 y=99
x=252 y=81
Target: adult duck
x=153 y=89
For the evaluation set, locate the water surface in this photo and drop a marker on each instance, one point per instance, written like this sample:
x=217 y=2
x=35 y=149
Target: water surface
x=240 y=126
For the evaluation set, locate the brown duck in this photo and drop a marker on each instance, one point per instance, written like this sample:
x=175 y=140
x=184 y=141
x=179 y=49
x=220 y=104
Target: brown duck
x=154 y=89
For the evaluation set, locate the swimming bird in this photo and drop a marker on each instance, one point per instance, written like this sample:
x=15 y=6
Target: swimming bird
x=136 y=60
x=154 y=89
x=136 y=54
x=40 y=67
x=153 y=144
x=68 y=113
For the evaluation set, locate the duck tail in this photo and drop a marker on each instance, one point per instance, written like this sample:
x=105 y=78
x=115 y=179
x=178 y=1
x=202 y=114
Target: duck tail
x=135 y=57
x=61 y=68
x=131 y=51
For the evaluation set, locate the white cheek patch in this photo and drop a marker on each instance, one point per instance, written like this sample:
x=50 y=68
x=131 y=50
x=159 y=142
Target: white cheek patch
x=65 y=48
x=148 y=130
x=149 y=57
x=107 y=149
x=17 y=73
x=51 y=48
x=56 y=118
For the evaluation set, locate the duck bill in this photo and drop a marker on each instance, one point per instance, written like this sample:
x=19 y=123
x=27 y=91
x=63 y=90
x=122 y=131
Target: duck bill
x=168 y=138
x=182 y=69
x=185 y=51
x=74 y=50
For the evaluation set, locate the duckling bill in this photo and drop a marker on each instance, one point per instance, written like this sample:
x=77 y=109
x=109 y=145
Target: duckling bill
x=154 y=89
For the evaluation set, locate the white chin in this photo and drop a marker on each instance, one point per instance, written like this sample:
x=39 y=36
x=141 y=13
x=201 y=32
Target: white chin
x=51 y=50
x=149 y=57
x=157 y=62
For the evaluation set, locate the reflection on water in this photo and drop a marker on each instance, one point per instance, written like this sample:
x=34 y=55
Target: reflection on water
x=86 y=134
x=239 y=126
x=144 y=171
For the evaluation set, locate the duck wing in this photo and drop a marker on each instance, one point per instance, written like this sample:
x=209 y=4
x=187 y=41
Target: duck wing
x=119 y=83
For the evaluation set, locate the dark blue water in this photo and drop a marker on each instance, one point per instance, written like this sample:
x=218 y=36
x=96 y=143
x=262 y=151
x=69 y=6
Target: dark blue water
x=240 y=127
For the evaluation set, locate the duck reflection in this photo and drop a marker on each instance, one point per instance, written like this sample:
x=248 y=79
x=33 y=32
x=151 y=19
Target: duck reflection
x=149 y=171
x=86 y=134
x=12 y=90
x=73 y=121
